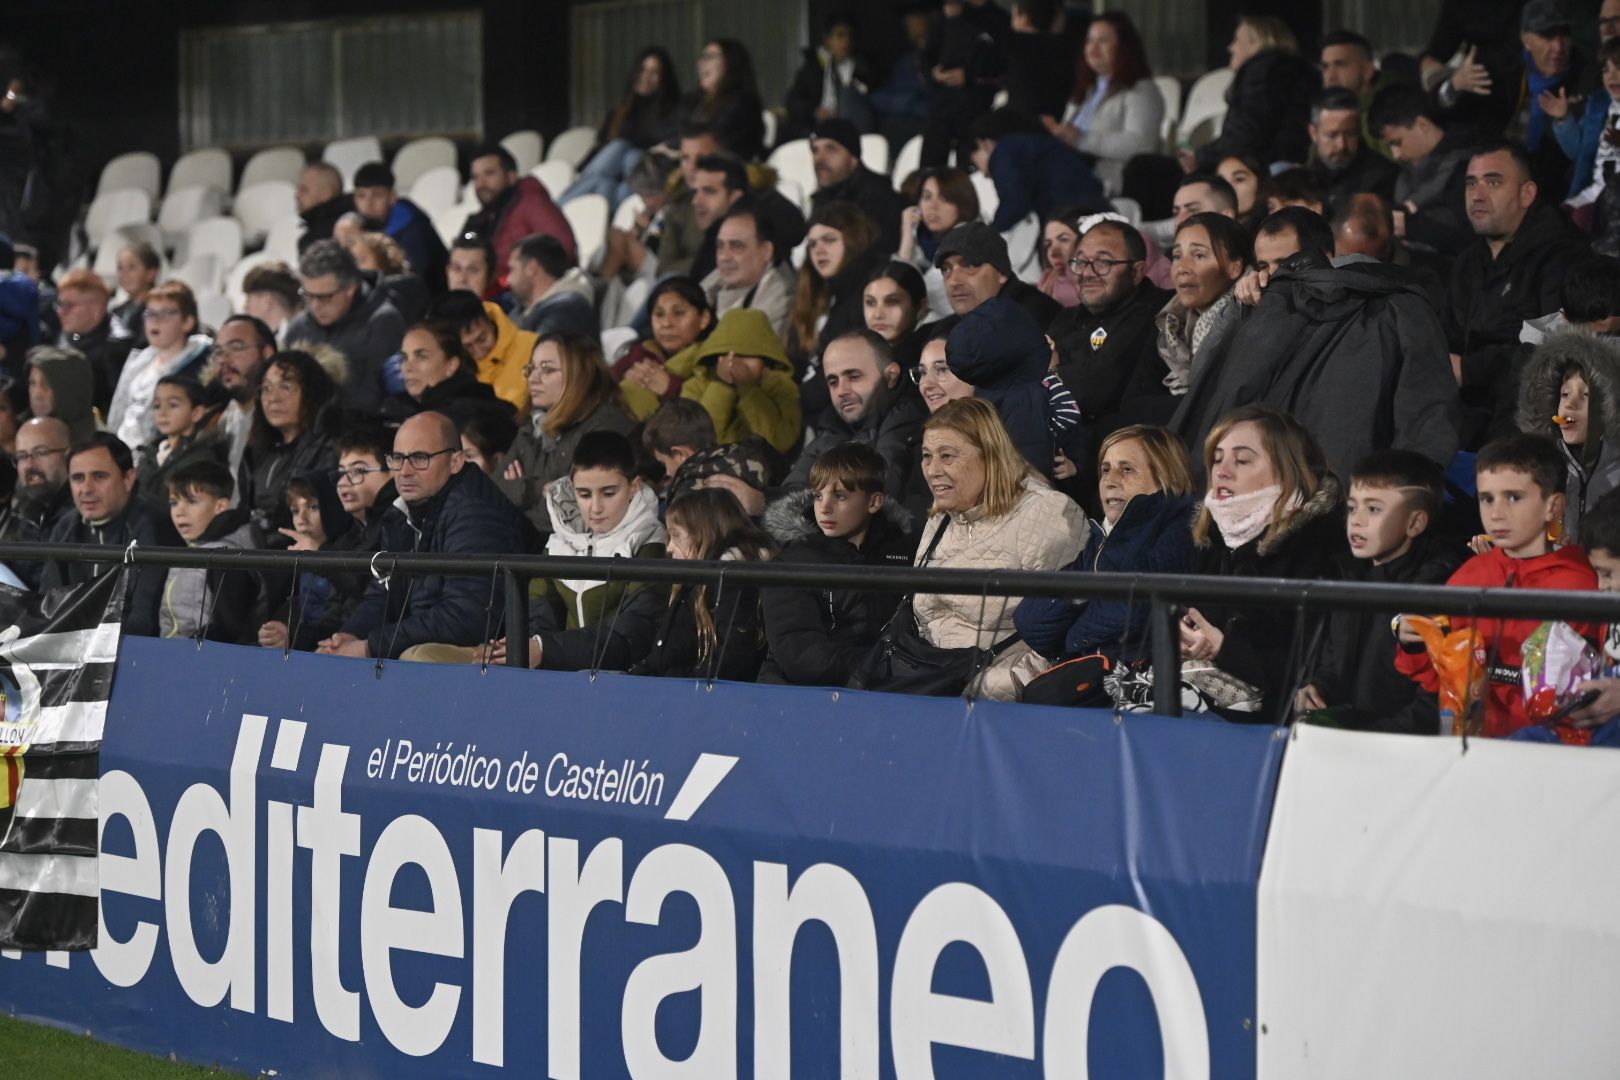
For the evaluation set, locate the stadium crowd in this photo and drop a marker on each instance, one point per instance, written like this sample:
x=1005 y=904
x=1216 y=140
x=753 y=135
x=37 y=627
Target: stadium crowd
x=1368 y=332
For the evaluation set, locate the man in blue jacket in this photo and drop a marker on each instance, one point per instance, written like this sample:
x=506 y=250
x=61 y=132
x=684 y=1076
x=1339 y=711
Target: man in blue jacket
x=449 y=509
x=376 y=200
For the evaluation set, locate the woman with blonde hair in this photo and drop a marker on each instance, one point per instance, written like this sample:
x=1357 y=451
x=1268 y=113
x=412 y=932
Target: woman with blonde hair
x=990 y=511
x=572 y=394
x=1269 y=102
x=1146 y=490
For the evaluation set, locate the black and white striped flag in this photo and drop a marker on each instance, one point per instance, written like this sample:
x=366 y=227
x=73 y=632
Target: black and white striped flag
x=57 y=655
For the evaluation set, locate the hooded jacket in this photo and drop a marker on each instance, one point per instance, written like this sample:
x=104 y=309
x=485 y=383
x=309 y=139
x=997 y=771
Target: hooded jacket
x=468 y=516
x=544 y=457
x=818 y=637
x=130 y=417
x=1267 y=110
x=106 y=352
x=323 y=602
x=1354 y=353
x=1594 y=469
x=503 y=367
x=769 y=408
x=222 y=601
x=267 y=469
x=71 y=375
x=461 y=397
x=1000 y=351
x=894 y=430
x=1152 y=536
x=367 y=335
x=571 y=603
x=151 y=482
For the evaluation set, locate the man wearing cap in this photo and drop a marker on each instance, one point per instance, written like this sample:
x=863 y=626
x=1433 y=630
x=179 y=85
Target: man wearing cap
x=384 y=211
x=835 y=148
x=973 y=260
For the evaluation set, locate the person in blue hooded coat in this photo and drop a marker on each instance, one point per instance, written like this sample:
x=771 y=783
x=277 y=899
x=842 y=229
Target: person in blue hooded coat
x=999 y=350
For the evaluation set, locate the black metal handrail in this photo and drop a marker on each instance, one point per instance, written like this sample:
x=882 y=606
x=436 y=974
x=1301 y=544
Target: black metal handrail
x=1163 y=593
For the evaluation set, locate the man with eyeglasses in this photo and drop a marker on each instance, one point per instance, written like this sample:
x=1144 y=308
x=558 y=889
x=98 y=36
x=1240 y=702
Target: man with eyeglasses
x=41 y=498
x=346 y=311
x=242 y=346
x=82 y=303
x=446 y=508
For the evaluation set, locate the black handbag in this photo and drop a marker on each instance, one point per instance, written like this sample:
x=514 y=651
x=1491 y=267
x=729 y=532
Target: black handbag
x=903 y=662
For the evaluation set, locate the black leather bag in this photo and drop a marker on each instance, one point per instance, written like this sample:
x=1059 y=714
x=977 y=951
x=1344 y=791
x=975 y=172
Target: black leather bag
x=902 y=662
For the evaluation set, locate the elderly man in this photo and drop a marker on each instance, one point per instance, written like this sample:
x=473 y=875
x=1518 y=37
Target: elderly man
x=82 y=306
x=835 y=150
x=349 y=314
x=747 y=272
x=449 y=508
x=321 y=202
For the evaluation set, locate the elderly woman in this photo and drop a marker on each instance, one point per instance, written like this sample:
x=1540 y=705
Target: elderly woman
x=990 y=511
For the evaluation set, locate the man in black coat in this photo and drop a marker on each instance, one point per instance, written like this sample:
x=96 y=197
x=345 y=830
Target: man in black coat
x=835 y=147
x=321 y=201
x=448 y=508
x=1341 y=162
x=347 y=310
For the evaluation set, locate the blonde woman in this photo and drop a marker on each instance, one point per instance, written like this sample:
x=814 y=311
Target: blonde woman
x=1268 y=104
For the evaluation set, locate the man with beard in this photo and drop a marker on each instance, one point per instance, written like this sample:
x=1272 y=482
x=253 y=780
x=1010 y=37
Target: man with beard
x=42 y=496
x=512 y=208
x=1341 y=163
x=835 y=149
x=242 y=346
x=384 y=211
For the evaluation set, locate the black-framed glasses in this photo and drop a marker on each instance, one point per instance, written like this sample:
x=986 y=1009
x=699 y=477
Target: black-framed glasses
x=356 y=474
x=421 y=459
x=1080 y=266
x=23 y=457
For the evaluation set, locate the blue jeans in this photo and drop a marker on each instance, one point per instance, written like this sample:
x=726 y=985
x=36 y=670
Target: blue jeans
x=605 y=173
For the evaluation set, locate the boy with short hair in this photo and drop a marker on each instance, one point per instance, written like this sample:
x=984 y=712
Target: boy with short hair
x=1394 y=499
x=817 y=636
x=220 y=601
x=1521 y=495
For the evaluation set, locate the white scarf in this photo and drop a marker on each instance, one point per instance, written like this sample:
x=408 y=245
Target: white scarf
x=1241 y=518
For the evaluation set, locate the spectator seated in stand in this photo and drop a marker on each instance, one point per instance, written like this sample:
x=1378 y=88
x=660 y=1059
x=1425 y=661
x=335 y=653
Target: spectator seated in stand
x=681 y=318
x=350 y=314
x=212 y=604
x=1034 y=172
x=835 y=147
x=502 y=350
x=383 y=210
x=440 y=376
x=512 y=207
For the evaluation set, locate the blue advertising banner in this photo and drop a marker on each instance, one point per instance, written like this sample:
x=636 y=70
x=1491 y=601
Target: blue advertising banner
x=439 y=871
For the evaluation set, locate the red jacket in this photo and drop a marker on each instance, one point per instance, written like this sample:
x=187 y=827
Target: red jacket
x=532 y=211
x=1502 y=641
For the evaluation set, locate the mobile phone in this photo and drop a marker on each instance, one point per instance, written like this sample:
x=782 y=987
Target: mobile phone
x=1579 y=703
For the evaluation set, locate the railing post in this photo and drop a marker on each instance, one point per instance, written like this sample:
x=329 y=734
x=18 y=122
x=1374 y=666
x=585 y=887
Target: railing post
x=517 y=619
x=1166 y=657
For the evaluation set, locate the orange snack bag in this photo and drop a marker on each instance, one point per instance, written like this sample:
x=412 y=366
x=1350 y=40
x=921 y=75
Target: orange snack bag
x=1459 y=664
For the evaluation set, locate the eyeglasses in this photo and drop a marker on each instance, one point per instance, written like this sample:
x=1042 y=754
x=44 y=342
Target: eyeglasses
x=235 y=348
x=278 y=389
x=320 y=297
x=23 y=457
x=420 y=460
x=1100 y=267
x=357 y=474
x=161 y=314
x=530 y=370
x=938 y=369
x=63 y=304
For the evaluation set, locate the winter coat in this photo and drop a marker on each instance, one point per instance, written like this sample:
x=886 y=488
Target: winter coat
x=1040 y=175
x=804 y=95
x=1354 y=353
x=106 y=352
x=467 y=517
x=73 y=382
x=413 y=230
x=769 y=408
x=1267 y=110
x=739 y=638
x=545 y=457
x=151 y=475
x=1594 y=469
x=1261 y=643
x=267 y=469
x=1435 y=186
x=220 y=600
x=1356 y=667
x=144 y=592
x=772 y=294
x=1152 y=536
x=322 y=602
x=521 y=211
x=1368 y=171
x=817 y=637
x=639 y=401
x=130 y=417
x=874 y=194
x=1566 y=568
x=572 y=603
x=1112 y=356
x=568 y=307
x=894 y=431
x=1000 y=351
x=1126 y=123
x=25 y=519
x=461 y=397
x=322 y=218
x=367 y=335
x=1045 y=530
x=503 y=367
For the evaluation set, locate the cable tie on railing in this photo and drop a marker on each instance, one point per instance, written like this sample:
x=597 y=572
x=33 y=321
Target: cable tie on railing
x=379 y=578
x=129 y=554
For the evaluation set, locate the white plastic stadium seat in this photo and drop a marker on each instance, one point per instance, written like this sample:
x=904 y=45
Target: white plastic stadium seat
x=572 y=146
x=448 y=222
x=768 y=118
x=262 y=205
x=420 y=156
x=1205 y=101
x=793 y=193
x=875 y=153
x=110 y=209
x=183 y=207
x=106 y=264
x=624 y=218
x=616 y=341
x=282 y=239
x=989 y=198
x=1024 y=248
x=238 y=277
x=138 y=170
x=208 y=167
x=792 y=161
x=1130 y=208
x=283 y=163
x=588 y=216
x=907 y=160
x=554 y=175
x=347 y=155
x=201 y=272
x=1170 y=90
x=220 y=237
x=524 y=146
x=435 y=189
x=212 y=309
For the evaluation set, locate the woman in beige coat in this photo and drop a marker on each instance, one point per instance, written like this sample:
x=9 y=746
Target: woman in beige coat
x=995 y=513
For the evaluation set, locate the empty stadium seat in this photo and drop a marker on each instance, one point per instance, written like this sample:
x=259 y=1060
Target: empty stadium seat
x=347 y=155
x=420 y=156
x=588 y=216
x=625 y=216
x=436 y=189
x=110 y=209
x=616 y=340
x=793 y=193
x=208 y=167
x=875 y=153
x=283 y=163
x=524 y=146
x=1170 y=90
x=573 y=146
x=137 y=171
x=182 y=207
x=989 y=198
x=263 y=205
x=792 y=161
x=1130 y=208
x=448 y=222
x=1024 y=248
x=220 y=237
x=555 y=175
x=907 y=160
x=213 y=308
x=1206 y=106
x=200 y=272
x=282 y=239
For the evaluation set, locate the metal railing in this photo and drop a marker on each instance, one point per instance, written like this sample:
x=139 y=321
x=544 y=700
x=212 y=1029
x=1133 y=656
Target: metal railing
x=1164 y=594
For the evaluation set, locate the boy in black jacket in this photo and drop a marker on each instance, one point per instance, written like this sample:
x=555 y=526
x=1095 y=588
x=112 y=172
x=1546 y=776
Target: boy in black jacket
x=1394 y=498
x=818 y=636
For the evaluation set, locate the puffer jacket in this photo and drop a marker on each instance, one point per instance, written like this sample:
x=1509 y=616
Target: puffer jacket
x=1045 y=530
x=545 y=457
x=503 y=367
x=367 y=335
x=894 y=430
x=1594 y=468
x=1267 y=109
x=224 y=598
x=999 y=349
x=571 y=603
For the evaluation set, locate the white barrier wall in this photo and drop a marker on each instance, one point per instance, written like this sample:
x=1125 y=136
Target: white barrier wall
x=1429 y=913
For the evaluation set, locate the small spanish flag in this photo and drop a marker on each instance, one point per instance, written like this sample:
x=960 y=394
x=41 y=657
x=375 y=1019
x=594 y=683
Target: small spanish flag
x=11 y=774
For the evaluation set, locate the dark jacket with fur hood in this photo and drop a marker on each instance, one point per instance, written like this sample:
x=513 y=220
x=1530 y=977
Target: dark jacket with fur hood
x=1594 y=468
x=818 y=636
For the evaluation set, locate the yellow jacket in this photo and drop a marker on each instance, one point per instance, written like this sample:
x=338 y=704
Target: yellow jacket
x=503 y=368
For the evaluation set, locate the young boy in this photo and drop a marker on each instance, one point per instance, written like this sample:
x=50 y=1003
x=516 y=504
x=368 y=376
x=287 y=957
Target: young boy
x=221 y=601
x=1394 y=498
x=1521 y=495
x=818 y=636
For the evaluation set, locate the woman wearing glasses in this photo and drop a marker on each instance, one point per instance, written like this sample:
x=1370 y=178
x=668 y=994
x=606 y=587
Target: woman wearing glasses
x=174 y=349
x=294 y=432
